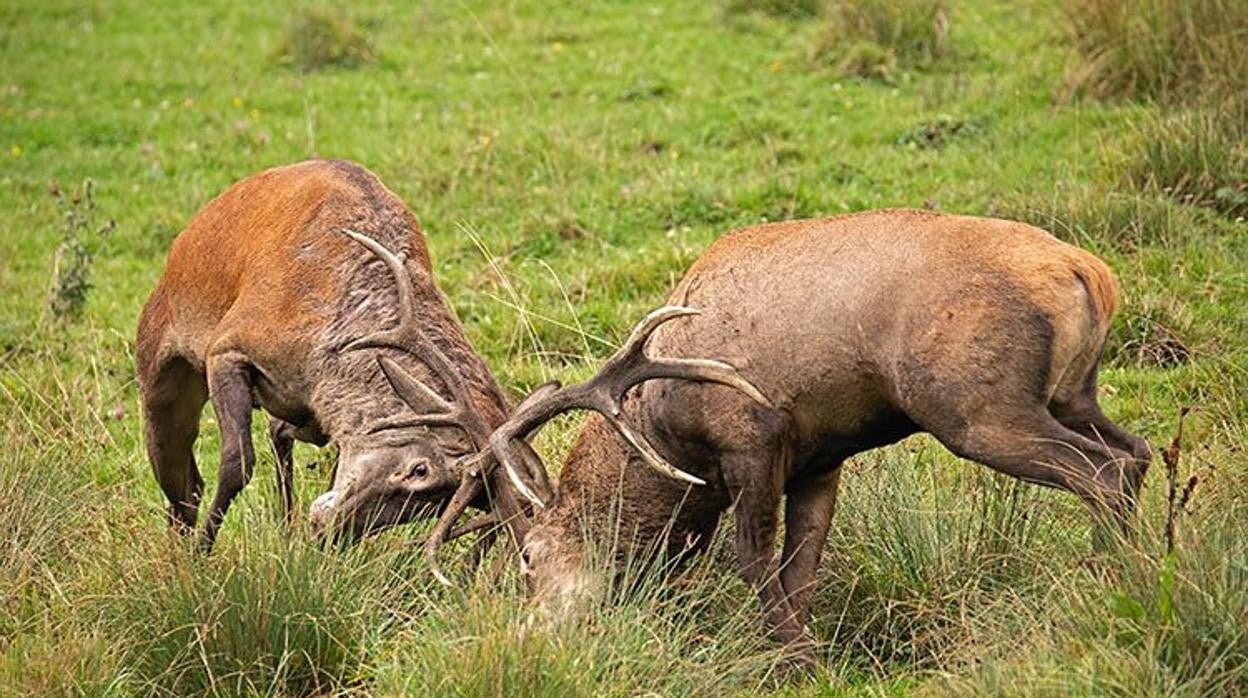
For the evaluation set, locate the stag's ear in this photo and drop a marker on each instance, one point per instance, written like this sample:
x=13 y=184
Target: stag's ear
x=420 y=397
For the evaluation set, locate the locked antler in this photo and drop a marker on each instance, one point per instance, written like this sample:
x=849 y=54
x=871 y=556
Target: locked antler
x=604 y=393
x=509 y=443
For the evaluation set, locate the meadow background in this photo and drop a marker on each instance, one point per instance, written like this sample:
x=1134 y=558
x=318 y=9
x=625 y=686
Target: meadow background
x=568 y=161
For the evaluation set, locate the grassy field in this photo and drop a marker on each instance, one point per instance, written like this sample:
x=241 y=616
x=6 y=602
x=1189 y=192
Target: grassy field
x=567 y=163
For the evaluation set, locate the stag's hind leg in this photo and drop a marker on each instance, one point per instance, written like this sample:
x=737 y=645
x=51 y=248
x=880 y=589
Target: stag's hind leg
x=229 y=386
x=1029 y=444
x=1081 y=413
x=172 y=401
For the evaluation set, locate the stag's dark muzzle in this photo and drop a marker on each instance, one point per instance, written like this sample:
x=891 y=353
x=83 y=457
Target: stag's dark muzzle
x=346 y=519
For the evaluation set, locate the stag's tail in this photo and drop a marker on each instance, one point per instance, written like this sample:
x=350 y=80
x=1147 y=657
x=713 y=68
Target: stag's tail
x=1101 y=285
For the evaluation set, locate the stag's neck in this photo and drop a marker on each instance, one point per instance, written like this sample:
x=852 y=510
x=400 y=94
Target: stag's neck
x=604 y=484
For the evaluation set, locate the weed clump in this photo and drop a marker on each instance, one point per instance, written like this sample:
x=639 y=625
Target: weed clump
x=80 y=233
x=790 y=9
x=318 y=39
x=936 y=134
x=1159 y=49
x=872 y=39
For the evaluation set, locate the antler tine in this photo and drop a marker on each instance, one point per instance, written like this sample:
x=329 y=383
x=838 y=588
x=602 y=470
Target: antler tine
x=604 y=393
x=632 y=360
x=637 y=339
x=507 y=513
x=502 y=444
x=536 y=469
x=703 y=370
x=473 y=525
x=458 y=413
x=406 y=302
x=455 y=412
x=469 y=488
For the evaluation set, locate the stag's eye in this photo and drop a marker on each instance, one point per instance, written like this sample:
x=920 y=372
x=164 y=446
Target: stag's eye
x=419 y=469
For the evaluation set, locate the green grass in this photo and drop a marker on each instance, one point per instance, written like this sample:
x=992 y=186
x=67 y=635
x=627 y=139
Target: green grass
x=568 y=162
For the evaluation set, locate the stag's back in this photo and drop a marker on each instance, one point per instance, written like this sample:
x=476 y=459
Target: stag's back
x=266 y=258
x=832 y=306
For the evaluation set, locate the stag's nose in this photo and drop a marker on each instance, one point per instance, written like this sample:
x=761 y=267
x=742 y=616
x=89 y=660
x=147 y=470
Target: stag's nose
x=322 y=510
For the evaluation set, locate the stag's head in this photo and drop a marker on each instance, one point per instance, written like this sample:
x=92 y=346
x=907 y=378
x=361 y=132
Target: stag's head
x=554 y=564
x=386 y=479
x=400 y=471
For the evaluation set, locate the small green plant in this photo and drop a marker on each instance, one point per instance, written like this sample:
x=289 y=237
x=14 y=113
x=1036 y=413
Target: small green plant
x=318 y=39
x=71 y=267
x=1161 y=49
x=873 y=38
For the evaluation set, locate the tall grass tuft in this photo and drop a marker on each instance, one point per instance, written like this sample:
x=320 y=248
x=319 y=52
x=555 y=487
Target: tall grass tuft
x=875 y=38
x=789 y=9
x=1159 y=49
x=1100 y=218
x=695 y=632
x=922 y=549
x=1197 y=157
x=268 y=616
x=42 y=508
x=1169 y=616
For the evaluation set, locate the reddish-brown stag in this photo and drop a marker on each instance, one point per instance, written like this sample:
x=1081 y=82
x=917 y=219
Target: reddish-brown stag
x=282 y=294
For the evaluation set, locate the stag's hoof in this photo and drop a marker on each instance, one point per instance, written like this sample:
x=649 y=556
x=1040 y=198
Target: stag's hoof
x=800 y=659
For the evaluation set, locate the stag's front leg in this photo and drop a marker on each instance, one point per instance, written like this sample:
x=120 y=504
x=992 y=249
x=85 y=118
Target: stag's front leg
x=807 y=517
x=753 y=483
x=229 y=388
x=282 y=436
